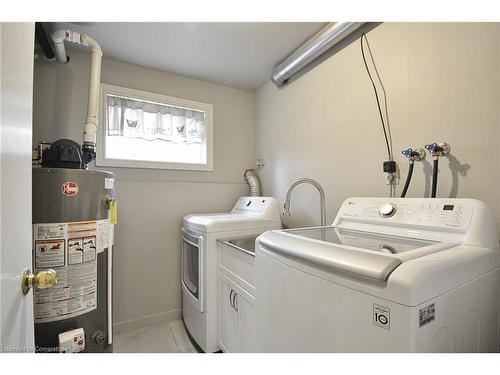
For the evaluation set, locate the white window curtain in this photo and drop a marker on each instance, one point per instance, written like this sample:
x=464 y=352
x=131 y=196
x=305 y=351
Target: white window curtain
x=134 y=118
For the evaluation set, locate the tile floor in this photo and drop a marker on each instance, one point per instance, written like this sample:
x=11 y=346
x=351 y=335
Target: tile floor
x=170 y=337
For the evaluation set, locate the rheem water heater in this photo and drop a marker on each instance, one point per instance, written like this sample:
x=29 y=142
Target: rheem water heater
x=73 y=236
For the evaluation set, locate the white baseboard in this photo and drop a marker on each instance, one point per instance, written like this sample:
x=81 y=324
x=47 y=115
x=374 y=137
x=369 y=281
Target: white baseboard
x=147 y=321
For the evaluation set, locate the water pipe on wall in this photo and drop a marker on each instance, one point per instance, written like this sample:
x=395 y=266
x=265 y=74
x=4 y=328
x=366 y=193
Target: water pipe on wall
x=436 y=150
x=412 y=155
x=58 y=38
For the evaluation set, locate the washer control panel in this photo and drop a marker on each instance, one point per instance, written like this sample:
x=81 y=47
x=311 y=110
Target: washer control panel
x=441 y=213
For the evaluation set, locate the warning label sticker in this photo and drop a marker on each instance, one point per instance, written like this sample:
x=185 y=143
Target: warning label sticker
x=49 y=231
x=109 y=183
x=89 y=248
x=49 y=253
x=74 y=294
x=426 y=314
x=70 y=248
x=75 y=250
x=103 y=231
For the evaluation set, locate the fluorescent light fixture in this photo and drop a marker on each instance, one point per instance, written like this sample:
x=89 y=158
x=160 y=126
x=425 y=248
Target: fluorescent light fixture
x=329 y=40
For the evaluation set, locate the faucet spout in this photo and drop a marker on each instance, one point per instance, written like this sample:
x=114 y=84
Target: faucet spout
x=286 y=205
x=286 y=208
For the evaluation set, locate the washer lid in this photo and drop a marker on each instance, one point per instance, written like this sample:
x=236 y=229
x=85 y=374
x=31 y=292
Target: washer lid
x=364 y=255
x=373 y=242
x=219 y=222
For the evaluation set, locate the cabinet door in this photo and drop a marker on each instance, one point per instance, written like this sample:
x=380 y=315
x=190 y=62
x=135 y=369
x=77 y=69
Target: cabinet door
x=245 y=303
x=227 y=316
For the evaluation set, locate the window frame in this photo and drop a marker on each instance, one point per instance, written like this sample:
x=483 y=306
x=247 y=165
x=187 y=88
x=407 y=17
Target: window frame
x=102 y=161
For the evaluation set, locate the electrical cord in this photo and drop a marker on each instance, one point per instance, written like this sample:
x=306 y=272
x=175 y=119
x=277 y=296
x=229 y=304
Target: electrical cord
x=390 y=166
x=385 y=95
x=387 y=132
x=408 y=179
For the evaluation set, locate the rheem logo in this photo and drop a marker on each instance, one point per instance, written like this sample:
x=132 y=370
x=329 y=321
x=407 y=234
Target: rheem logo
x=69 y=188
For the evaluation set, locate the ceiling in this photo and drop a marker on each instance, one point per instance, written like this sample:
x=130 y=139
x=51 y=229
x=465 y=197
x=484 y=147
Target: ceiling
x=241 y=55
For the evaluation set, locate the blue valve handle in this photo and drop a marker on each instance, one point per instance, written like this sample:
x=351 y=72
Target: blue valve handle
x=432 y=147
x=408 y=153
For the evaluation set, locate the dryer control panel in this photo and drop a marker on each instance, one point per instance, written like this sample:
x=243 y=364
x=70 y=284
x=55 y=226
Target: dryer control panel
x=262 y=206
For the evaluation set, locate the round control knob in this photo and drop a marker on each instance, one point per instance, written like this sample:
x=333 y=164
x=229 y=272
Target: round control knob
x=387 y=210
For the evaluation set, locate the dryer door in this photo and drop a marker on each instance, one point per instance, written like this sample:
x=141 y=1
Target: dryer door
x=192 y=268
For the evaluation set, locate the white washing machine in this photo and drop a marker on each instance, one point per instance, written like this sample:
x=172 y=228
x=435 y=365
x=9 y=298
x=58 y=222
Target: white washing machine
x=390 y=275
x=200 y=232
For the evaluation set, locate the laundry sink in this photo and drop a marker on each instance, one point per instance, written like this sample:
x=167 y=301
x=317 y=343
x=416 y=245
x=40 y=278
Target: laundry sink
x=246 y=244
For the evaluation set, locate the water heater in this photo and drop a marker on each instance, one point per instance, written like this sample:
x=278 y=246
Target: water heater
x=73 y=235
x=74 y=211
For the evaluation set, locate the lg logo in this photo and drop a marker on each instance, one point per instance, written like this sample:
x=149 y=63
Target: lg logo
x=382 y=316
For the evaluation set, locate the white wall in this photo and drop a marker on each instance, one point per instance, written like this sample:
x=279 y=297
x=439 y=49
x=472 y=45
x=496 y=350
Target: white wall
x=443 y=84
x=151 y=203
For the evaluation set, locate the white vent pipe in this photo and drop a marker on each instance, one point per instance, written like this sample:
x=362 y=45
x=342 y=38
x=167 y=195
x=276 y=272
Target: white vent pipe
x=58 y=38
x=329 y=36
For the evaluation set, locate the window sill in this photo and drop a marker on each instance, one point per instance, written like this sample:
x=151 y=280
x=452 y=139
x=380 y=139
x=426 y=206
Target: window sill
x=123 y=163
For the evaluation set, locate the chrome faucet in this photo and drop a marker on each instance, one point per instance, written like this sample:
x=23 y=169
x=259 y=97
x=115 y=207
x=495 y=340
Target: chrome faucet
x=286 y=206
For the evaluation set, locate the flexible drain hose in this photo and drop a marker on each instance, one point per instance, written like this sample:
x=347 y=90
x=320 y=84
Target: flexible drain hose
x=408 y=179
x=253 y=181
x=434 y=177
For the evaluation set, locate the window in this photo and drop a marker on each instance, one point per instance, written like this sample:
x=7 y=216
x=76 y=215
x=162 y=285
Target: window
x=138 y=129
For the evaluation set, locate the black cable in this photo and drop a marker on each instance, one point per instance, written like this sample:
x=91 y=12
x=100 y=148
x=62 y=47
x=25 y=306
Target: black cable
x=434 y=177
x=387 y=123
x=408 y=179
x=363 y=36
